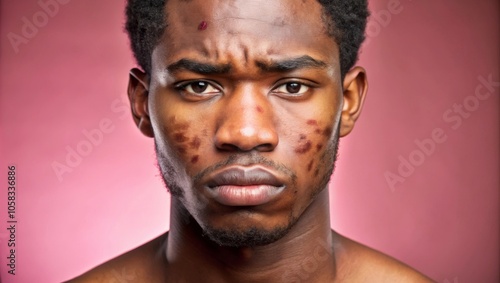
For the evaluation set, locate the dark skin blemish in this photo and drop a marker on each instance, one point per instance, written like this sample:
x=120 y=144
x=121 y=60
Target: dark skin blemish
x=181 y=149
x=259 y=109
x=195 y=143
x=302 y=137
x=195 y=158
x=316 y=172
x=180 y=137
x=312 y=122
x=319 y=147
x=317 y=131
x=309 y=167
x=304 y=147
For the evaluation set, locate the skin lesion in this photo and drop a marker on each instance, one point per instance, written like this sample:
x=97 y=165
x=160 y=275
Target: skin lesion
x=319 y=147
x=312 y=122
x=180 y=137
x=195 y=159
x=182 y=140
x=195 y=143
x=310 y=165
x=303 y=147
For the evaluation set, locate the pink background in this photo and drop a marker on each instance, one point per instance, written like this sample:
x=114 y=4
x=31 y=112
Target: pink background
x=422 y=58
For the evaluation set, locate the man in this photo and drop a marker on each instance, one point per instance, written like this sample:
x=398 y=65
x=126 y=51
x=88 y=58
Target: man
x=246 y=101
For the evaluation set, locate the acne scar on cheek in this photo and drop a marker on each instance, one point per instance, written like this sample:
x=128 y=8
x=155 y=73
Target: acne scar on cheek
x=195 y=158
x=319 y=147
x=309 y=167
x=314 y=123
x=203 y=25
x=304 y=145
x=180 y=137
x=195 y=143
x=259 y=109
x=181 y=149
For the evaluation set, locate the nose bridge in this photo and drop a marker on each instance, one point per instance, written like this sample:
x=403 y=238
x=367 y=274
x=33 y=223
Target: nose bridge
x=247 y=121
x=250 y=107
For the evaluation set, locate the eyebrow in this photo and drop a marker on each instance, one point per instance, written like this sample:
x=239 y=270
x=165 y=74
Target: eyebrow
x=291 y=64
x=198 y=67
x=273 y=66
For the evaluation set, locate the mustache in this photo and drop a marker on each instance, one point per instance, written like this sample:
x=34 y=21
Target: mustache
x=246 y=159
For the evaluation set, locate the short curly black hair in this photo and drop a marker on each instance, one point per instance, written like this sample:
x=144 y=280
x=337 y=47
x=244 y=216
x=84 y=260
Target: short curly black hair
x=345 y=19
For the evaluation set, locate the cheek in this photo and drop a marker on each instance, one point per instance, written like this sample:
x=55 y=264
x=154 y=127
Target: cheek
x=310 y=145
x=178 y=133
x=183 y=137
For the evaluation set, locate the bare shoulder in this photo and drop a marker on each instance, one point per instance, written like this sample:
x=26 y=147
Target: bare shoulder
x=359 y=263
x=142 y=264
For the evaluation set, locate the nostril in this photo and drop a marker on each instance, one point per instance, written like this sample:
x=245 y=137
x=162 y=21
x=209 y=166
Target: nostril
x=234 y=148
x=228 y=147
x=239 y=132
x=265 y=147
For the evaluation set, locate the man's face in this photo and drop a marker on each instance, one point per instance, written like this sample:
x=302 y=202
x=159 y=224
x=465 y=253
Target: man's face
x=245 y=110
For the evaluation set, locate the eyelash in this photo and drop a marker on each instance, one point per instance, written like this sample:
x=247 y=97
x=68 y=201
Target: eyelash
x=289 y=93
x=182 y=87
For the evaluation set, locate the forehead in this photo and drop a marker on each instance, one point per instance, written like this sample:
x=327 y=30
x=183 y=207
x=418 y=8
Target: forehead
x=245 y=30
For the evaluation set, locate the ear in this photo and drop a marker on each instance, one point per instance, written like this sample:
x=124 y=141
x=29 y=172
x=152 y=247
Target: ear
x=355 y=87
x=138 y=96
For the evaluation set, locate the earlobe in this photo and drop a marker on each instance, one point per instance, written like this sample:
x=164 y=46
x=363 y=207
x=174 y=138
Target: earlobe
x=355 y=87
x=138 y=96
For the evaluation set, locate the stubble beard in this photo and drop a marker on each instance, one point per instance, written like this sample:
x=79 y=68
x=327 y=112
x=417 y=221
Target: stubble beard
x=250 y=236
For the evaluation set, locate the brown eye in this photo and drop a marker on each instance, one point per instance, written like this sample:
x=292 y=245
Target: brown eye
x=199 y=88
x=294 y=88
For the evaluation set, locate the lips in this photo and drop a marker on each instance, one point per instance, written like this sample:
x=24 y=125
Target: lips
x=244 y=186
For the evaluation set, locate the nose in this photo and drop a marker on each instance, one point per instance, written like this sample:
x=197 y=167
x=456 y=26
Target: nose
x=246 y=123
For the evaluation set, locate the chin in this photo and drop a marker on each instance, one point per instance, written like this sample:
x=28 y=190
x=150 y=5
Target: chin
x=248 y=237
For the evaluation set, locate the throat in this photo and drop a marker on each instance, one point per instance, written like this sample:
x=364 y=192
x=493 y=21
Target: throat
x=304 y=254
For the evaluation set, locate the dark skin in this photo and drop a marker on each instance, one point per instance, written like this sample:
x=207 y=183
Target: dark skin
x=258 y=89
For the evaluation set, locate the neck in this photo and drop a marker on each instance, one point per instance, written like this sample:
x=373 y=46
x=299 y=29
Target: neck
x=305 y=254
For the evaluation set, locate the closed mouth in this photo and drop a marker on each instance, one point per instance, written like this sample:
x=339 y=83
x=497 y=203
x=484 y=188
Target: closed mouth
x=244 y=186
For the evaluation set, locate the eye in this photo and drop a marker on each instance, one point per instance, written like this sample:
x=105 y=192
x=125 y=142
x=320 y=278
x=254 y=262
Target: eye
x=198 y=88
x=294 y=88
